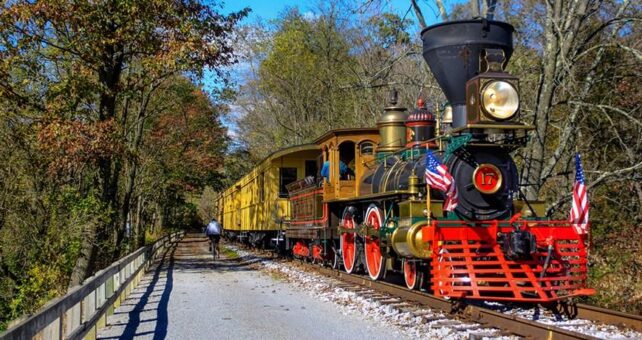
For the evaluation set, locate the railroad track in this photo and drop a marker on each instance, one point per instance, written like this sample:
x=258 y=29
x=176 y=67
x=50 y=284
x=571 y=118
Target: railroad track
x=506 y=322
x=607 y=316
x=487 y=317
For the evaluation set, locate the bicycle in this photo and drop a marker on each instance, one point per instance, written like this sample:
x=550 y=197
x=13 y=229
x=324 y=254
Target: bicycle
x=214 y=246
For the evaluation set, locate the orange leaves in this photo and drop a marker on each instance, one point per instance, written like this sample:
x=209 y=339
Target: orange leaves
x=70 y=145
x=634 y=94
x=187 y=141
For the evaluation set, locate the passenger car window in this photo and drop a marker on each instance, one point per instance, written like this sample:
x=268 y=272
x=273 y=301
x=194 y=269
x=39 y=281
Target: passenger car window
x=286 y=176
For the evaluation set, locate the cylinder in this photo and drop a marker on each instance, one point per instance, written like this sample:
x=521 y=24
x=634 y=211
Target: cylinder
x=408 y=241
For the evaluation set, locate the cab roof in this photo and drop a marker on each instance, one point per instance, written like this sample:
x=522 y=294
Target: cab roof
x=343 y=132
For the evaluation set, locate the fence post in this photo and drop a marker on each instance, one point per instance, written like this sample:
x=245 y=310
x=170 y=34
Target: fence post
x=109 y=291
x=84 y=309
x=100 y=301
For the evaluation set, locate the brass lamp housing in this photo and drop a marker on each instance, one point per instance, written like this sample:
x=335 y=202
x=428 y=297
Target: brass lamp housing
x=392 y=126
x=474 y=97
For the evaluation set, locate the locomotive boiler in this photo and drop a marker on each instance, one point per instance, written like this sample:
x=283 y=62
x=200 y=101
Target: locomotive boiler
x=373 y=211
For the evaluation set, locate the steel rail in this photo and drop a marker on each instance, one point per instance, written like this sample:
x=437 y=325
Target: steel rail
x=489 y=318
x=607 y=316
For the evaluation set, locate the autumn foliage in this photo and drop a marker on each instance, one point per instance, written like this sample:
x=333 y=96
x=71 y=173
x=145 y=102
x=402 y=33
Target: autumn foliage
x=69 y=146
x=104 y=129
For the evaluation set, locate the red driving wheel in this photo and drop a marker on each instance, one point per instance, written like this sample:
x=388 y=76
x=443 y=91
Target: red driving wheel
x=412 y=278
x=348 y=241
x=373 y=254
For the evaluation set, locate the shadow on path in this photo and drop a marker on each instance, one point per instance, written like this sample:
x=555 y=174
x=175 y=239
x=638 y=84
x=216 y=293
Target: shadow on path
x=134 y=316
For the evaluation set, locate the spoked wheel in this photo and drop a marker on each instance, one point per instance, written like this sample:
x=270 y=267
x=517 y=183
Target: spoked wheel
x=411 y=275
x=373 y=254
x=444 y=287
x=317 y=254
x=448 y=279
x=336 y=259
x=348 y=241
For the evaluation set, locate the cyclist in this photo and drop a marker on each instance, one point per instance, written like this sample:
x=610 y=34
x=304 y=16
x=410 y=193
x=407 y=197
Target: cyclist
x=213 y=231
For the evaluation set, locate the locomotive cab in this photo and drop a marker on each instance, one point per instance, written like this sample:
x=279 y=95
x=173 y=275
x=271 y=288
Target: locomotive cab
x=347 y=154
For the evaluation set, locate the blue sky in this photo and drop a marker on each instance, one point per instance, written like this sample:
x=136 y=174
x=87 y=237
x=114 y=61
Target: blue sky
x=270 y=9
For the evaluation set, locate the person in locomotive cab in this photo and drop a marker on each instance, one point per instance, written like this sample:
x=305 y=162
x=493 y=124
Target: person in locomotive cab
x=213 y=231
x=344 y=171
x=325 y=170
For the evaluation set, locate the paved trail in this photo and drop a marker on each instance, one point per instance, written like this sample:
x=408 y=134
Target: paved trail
x=189 y=296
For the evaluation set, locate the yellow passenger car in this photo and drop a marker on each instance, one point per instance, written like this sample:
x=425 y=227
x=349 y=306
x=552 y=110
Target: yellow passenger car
x=255 y=207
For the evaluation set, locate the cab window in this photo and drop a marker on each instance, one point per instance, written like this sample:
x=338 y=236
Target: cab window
x=286 y=176
x=346 y=160
x=366 y=148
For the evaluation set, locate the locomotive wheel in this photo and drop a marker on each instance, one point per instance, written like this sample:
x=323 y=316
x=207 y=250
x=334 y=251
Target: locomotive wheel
x=444 y=287
x=317 y=251
x=348 y=241
x=443 y=265
x=410 y=274
x=336 y=259
x=372 y=249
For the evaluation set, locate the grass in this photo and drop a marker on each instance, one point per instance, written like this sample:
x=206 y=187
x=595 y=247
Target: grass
x=229 y=253
x=277 y=276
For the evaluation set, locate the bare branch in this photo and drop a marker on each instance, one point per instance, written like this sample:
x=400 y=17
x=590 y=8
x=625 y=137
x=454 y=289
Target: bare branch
x=420 y=16
x=610 y=108
x=442 y=9
x=490 y=9
x=637 y=54
x=605 y=176
x=569 y=131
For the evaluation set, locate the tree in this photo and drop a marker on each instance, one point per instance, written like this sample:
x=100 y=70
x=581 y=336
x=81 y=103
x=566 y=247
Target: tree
x=297 y=86
x=115 y=65
x=82 y=89
x=332 y=70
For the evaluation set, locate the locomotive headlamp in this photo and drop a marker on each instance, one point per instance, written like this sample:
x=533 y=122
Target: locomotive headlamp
x=493 y=98
x=500 y=100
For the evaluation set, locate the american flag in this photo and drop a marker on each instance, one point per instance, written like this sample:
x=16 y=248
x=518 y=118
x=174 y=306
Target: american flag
x=437 y=176
x=580 y=207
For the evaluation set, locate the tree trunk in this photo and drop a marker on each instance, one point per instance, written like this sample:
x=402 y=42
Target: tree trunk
x=418 y=14
x=85 y=263
x=560 y=52
x=544 y=101
x=133 y=170
x=140 y=230
x=109 y=76
x=474 y=7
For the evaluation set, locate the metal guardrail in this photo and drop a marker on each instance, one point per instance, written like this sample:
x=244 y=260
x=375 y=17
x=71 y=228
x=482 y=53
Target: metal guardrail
x=85 y=308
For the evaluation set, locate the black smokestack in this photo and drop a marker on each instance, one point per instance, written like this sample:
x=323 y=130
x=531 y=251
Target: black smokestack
x=452 y=51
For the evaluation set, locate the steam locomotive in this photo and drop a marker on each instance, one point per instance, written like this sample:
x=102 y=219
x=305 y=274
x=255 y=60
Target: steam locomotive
x=373 y=211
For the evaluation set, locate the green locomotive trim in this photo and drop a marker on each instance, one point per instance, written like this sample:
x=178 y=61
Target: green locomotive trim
x=379 y=195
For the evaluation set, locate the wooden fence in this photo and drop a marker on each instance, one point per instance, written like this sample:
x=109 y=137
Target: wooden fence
x=85 y=308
